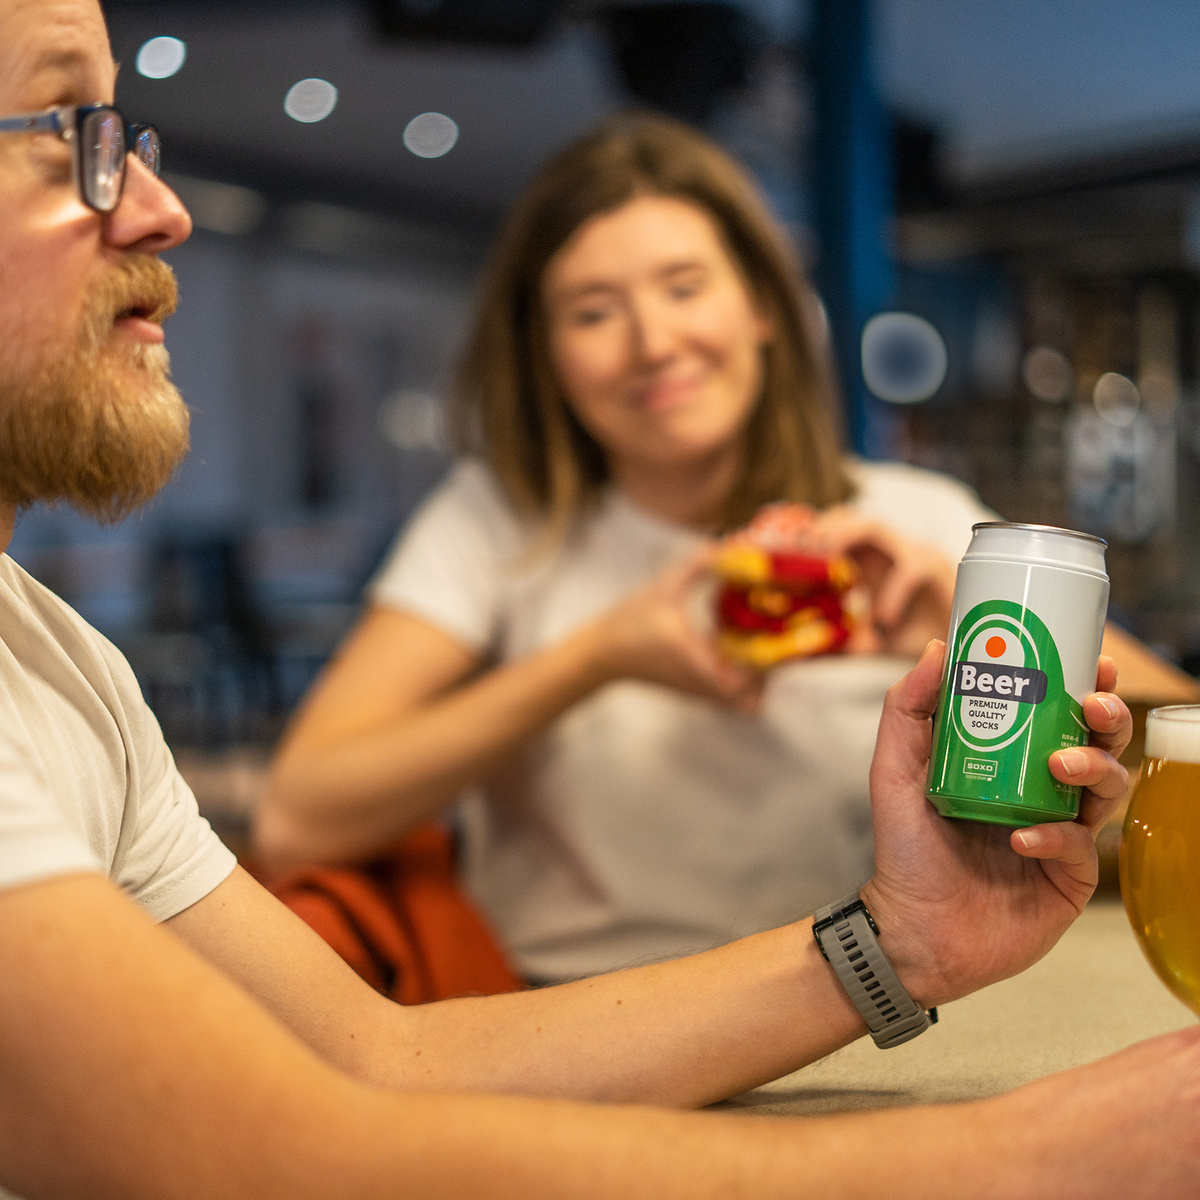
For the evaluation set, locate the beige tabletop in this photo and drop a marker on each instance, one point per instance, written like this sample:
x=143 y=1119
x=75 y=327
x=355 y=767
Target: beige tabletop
x=1091 y=995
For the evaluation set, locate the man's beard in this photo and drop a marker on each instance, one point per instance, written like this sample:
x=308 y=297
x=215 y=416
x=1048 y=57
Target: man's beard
x=98 y=425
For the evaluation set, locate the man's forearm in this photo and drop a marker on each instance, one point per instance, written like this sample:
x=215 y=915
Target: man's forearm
x=513 y=1149
x=687 y=1032
x=169 y=1082
x=684 y=1032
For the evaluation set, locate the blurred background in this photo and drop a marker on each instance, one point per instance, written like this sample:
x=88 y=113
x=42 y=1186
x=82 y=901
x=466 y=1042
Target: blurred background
x=999 y=203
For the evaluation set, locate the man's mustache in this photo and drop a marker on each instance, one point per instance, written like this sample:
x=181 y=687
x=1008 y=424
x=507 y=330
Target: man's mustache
x=139 y=285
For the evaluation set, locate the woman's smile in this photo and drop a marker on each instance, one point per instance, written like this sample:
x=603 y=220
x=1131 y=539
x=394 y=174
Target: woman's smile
x=668 y=392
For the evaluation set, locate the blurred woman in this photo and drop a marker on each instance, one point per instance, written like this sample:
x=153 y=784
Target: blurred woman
x=646 y=369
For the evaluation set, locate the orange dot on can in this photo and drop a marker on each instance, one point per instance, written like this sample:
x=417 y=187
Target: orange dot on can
x=996 y=646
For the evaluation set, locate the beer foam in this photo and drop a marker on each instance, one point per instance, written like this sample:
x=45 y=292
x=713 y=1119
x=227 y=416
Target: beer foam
x=1174 y=733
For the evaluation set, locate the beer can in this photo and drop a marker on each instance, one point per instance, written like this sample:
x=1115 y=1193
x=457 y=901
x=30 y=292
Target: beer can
x=1025 y=633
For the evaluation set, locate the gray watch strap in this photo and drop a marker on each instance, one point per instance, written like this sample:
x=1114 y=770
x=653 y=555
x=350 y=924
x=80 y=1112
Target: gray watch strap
x=846 y=935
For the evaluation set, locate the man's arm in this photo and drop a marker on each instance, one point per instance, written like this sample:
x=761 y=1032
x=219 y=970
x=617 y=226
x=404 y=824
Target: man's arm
x=686 y=1032
x=957 y=908
x=131 y=1069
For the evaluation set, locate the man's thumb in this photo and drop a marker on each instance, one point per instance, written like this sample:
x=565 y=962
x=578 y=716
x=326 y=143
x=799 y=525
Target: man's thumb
x=904 y=729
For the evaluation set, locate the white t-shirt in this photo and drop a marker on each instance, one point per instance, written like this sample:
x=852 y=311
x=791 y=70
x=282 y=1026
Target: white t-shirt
x=86 y=781
x=645 y=823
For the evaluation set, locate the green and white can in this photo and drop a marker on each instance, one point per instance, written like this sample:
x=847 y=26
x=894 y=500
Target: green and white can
x=1025 y=632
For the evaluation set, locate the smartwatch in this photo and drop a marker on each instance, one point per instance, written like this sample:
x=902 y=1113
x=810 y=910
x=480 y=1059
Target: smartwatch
x=847 y=937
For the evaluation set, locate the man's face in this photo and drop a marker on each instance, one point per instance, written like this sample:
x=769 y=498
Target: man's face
x=87 y=413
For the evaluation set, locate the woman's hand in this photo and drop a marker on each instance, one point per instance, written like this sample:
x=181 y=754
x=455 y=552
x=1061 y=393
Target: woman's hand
x=962 y=904
x=651 y=636
x=910 y=586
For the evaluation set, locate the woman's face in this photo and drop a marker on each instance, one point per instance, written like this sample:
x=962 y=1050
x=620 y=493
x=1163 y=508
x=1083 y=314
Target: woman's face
x=655 y=335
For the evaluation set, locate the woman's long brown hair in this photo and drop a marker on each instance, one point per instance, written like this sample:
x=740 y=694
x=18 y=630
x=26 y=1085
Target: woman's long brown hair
x=507 y=404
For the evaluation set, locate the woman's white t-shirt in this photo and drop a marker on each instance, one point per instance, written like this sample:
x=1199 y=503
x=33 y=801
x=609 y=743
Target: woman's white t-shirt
x=645 y=823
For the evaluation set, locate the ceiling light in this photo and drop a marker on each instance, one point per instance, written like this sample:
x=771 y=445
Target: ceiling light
x=430 y=135
x=161 y=57
x=310 y=100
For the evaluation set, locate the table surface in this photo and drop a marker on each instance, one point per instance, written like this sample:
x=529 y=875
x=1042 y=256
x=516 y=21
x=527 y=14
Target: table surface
x=1093 y=994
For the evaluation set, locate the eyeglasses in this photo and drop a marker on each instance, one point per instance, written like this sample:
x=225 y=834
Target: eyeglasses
x=102 y=138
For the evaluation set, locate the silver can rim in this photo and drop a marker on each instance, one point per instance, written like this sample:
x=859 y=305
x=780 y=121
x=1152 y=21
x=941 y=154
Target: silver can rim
x=1074 y=533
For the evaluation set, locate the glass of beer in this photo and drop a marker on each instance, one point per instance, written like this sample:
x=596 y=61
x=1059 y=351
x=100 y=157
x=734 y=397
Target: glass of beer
x=1160 y=850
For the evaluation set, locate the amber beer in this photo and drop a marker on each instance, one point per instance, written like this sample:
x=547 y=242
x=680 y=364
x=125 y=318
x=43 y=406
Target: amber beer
x=1160 y=850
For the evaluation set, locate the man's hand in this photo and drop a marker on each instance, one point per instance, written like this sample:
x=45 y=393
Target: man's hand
x=962 y=904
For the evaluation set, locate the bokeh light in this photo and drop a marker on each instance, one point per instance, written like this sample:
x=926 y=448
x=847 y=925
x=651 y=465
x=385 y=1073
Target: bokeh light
x=430 y=135
x=310 y=100
x=1116 y=398
x=161 y=57
x=903 y=357
x=1047 y=374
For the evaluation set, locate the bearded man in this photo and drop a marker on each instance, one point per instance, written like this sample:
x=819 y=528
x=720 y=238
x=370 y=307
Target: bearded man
x=167 y=1029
